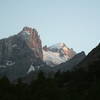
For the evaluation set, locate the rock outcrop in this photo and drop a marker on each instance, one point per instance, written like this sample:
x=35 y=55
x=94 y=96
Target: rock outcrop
x=19 y=52
x=33 y=40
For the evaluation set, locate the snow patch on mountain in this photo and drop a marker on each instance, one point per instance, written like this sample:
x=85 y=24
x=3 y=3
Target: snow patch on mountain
x=10 y=63
x=3 y=66
x=53 y=58
x=57 y=54
x=58 y=46
x=31 y=69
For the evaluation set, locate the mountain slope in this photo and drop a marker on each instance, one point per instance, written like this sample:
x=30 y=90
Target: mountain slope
x=19 y=52
x=57 y=54
x=69 y=65
x=92 y=57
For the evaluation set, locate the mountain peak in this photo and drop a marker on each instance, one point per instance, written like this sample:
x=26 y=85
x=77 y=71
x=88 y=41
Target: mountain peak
x=27 y=31
x=61 y=47
x=57 y=53
x=31 y=37
x=58 y=46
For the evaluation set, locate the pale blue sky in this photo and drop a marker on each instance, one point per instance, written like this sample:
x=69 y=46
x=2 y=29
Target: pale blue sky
x=74 y=22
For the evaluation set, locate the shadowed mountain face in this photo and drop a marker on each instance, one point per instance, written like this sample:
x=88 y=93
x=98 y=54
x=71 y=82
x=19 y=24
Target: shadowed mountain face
x=90 y=64
x=19 y=52
x=69 y=65
x=92 y=57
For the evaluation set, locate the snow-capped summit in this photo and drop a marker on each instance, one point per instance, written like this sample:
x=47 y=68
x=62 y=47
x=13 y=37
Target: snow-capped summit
x=58 y=46
x=57 y=54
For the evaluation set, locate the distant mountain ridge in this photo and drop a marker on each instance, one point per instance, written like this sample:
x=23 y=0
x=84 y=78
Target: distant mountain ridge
x=92 y=57
x=57 y=54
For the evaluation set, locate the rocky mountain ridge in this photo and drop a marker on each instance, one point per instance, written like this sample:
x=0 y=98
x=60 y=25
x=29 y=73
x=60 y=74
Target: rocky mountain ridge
x=57 y=54
x=19 y=52
x=33 y=40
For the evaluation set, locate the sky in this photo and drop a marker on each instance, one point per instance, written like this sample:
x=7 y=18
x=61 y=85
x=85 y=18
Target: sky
x=73 y=22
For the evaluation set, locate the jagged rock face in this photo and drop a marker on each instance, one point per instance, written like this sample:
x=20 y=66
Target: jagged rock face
x=33 y=40
x=19 y=52
x=57 y=54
